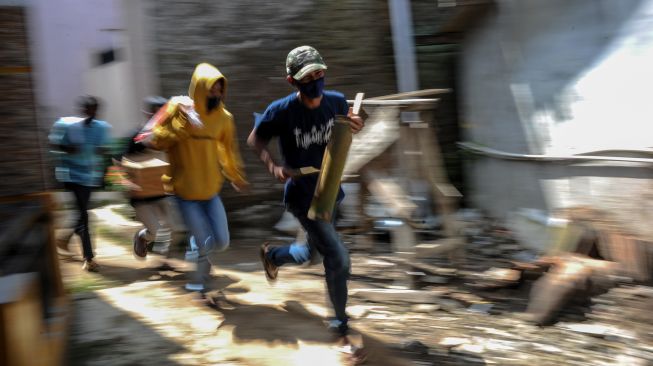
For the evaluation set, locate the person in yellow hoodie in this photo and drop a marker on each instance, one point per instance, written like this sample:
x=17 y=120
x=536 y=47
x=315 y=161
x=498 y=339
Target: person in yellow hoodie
x=200 y=138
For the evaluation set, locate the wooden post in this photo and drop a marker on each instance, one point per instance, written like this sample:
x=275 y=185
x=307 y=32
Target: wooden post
x=445 y=194
x=31 y=340
x=21 y=321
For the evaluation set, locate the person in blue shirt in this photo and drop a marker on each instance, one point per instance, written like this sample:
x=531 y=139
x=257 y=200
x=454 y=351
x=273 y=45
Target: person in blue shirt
x=81 y=144
x=302 y=122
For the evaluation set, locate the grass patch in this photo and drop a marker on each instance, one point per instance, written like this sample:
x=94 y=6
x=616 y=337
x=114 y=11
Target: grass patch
x=114 y=237
x=126 y=211
x=89 y=283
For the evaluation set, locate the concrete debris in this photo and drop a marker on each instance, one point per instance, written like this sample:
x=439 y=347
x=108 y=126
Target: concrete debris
x=394 y=295
x=416 y=347
x=424 y=308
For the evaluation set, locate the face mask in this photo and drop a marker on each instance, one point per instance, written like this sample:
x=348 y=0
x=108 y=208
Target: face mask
x=212 y=102
x=312 y=89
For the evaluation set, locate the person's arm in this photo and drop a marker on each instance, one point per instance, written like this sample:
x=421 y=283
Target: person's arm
x=260 y=146
x=232 y=164
x=169 y=131
x=133 y=147
x=70 y=149
x=267 y=126
x=59 y=140
x=103 y=149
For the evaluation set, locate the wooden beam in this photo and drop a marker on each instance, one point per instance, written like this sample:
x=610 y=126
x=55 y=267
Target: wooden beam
x=413 y=94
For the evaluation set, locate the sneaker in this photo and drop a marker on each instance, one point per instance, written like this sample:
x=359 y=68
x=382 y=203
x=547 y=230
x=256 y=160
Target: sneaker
x=140 y=245
x=271 y=271
x=353 y=346
x=90 y=265
x=337 y=328
x=194 y=287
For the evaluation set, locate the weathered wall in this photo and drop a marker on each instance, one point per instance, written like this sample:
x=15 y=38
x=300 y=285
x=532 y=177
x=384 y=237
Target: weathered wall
x=559 y=77
x=21 y=152
x=249 y=40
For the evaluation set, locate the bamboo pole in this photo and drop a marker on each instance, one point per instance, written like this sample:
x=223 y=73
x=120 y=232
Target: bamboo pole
x=333 y=165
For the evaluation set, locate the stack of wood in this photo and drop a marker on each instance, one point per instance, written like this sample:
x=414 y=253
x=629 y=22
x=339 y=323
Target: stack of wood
x=605 y=255
x=418 y=157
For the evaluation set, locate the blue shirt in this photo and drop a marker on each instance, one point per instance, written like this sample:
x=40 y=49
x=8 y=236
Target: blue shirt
x=85 y=166
x=303 y=135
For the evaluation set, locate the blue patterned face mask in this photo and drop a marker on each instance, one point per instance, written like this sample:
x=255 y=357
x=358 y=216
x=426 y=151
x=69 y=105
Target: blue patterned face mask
x=312 y=89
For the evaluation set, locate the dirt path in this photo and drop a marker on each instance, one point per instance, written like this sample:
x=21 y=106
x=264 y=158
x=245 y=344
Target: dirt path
x=137 y=313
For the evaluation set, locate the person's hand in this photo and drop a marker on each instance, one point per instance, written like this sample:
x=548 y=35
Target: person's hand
x=356 y=123
x=240 y=187
x=132 y=186
x=69 y=148
x=282 y=173
x=189 y=115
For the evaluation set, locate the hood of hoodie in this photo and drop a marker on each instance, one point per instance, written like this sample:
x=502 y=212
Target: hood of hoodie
x=204 y=76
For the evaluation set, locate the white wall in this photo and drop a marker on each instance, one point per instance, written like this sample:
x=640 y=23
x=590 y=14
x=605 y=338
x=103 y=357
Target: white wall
x=111 y=84
x=141 y=44
x=554 y=69
x=66 y=36
x=559 y=77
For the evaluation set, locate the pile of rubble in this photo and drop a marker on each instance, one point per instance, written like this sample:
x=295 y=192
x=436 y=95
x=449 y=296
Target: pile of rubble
x=475 y=313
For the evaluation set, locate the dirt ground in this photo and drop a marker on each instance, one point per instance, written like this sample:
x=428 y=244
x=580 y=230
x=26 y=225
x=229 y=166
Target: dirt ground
x=137 y=313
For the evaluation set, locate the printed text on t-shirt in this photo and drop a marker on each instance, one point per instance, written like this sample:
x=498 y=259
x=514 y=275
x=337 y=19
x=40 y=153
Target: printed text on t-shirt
x=320 y=136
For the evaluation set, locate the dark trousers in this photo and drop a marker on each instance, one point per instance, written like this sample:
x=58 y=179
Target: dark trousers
x=82 y=197
x=322 y=236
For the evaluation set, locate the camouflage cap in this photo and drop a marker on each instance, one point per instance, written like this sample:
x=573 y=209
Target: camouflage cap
x=302 y=61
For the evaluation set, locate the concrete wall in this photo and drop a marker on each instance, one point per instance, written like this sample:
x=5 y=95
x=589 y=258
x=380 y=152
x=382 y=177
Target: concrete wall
x=248 y=41
x=21 y=153
x=559 y=77
x=161 y=41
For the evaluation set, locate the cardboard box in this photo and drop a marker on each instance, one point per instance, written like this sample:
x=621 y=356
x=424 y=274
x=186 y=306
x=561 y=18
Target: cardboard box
x=147 y=175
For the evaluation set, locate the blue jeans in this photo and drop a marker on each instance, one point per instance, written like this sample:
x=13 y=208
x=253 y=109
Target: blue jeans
x=322 y=236
x=207 y=222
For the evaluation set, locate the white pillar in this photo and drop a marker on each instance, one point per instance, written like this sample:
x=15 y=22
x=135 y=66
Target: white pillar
x=403 y=43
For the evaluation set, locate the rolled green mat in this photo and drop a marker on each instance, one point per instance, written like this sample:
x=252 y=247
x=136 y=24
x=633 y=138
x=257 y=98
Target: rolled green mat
x=333 y=165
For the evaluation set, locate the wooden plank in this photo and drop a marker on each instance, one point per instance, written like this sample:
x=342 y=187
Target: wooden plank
x=393 y=196
x=413 y=94
x=44 y=341
x=439 y=247
x=56 y=333
x=403 y=104
x=21 y=320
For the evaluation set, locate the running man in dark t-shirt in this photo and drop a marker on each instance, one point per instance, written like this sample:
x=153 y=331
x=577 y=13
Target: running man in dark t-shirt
x=302 y=122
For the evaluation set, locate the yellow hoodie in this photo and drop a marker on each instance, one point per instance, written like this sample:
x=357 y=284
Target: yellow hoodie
x=200 y=157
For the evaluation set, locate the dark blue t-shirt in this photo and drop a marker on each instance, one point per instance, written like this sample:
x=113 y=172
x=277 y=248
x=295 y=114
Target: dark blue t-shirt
x=303 y=135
